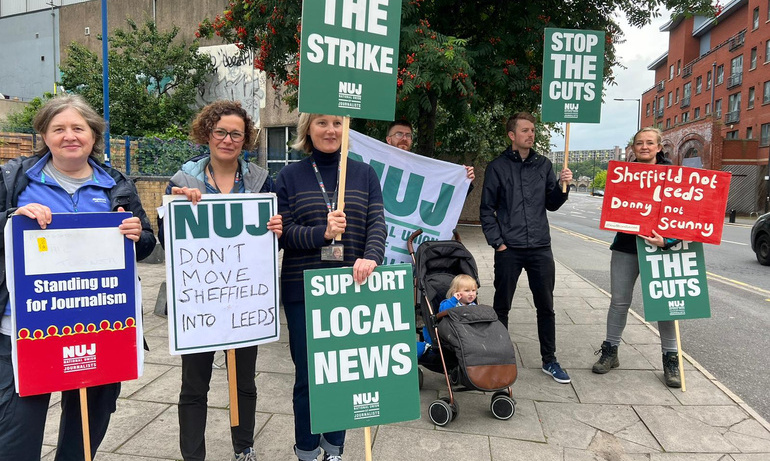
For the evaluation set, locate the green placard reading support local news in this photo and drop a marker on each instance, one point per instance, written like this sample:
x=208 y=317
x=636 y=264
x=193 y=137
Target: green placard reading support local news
x=362 y=364
x=573 y=69
x=674 y=285
x=349 y=57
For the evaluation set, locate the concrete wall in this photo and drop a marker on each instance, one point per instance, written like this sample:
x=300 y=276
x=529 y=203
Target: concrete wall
x=27 y=54
x=9 y=106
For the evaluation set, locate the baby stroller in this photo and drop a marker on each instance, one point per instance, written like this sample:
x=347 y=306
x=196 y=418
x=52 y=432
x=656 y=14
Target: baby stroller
x=474 y=350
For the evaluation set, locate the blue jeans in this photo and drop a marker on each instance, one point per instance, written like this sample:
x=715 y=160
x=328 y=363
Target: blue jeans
x=307 y=445
x=624 y=270
x=22 y=419
x=541 y=273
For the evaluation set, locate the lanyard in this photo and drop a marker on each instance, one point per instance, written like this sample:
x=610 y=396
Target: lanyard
x=330 y=204
x=235 y=180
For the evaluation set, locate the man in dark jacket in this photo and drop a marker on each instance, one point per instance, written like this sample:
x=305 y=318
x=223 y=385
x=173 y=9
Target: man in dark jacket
x=519 y=186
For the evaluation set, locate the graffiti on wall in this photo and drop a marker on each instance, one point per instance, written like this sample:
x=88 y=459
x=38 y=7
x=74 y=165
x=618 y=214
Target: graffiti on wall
x=234 y=78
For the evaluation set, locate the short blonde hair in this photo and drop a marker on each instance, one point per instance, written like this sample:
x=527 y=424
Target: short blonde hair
x=652 y=129
x=303 y=141
x=59 y=104
x=461 y=282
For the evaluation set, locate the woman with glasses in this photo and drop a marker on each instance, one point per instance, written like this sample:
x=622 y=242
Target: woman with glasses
x=227 y=129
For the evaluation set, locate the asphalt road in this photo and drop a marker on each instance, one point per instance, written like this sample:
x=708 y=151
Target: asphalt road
x=732 y=343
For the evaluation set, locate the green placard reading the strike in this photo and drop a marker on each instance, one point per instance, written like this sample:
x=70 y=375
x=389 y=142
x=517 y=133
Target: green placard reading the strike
x=673 y=281
x=349 y=57
x=573 y=68
x=362 y=364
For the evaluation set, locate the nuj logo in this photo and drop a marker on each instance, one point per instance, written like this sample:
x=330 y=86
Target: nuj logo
x=364 y=398
x=679 y=303
x=350 y=88
x=571 y=107
x=80 y=350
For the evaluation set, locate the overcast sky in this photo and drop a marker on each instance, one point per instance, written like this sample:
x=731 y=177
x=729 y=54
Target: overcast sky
x=618 y=120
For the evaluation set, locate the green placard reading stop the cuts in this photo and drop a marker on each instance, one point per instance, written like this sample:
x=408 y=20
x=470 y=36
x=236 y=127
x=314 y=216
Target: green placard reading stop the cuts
x=674 y=285
x=362 y=364
x=573 y=69
x=349 y=57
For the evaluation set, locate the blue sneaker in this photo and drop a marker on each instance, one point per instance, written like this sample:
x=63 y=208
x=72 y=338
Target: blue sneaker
x=556 y=372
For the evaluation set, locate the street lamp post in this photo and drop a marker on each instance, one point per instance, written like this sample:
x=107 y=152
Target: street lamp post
x=638 y=110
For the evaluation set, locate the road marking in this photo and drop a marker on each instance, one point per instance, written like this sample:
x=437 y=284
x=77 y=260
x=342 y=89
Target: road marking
x=710 y=275
x=734 y=243
x=737 y=284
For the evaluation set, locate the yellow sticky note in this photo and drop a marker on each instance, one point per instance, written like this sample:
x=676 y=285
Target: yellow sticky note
x=42 y=245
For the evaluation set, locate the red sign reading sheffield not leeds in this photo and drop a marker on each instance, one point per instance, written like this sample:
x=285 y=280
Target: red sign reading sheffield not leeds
x=677 y=202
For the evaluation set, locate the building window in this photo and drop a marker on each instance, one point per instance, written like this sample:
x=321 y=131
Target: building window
x=749 y=133
x=648 y=109
x=767 y=51
x=685 y=117
x=733 y=108
x=676 y=101
x=708 y=80
x=755 y=19
x=720 y=74
x=718 y=108
x=671 y=72
x=670 y=99
x=675 y=119
x=736 y=72
x=753 y=62
x=708 y=108
x=698 y=85
x=696 y=113
x=764 y=135
x=750 y=102
x=679 y=67
x=766 y=92
x=732 y=134
x=668 y=123
x=278 y=153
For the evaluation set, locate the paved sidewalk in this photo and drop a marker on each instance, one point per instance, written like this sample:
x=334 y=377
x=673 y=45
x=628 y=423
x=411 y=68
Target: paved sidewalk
x=626 y=415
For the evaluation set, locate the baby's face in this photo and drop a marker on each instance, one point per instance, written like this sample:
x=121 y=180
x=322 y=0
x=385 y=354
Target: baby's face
x=467 y=295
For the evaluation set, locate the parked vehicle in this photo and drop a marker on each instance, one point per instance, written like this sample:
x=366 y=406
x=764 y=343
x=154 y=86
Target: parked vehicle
x=760 y=239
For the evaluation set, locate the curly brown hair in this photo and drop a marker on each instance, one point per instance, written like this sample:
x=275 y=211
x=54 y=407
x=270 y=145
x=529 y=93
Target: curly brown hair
x=208 y=117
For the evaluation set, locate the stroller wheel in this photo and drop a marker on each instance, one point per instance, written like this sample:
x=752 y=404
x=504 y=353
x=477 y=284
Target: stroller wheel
x=454 y=406
x=440 y=412
x=502 y=406
x=420 y=377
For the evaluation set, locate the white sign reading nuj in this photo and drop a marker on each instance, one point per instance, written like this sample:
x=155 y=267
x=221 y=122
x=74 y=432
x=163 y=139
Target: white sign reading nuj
x=222 y=273
x=418 y=193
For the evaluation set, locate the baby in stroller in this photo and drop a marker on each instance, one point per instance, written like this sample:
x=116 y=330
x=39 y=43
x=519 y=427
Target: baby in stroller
x=462 y=292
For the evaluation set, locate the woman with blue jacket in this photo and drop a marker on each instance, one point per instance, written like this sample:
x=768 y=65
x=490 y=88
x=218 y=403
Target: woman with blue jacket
x=63 y=177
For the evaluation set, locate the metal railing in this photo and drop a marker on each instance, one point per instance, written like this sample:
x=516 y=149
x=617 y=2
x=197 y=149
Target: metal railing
x=737 y=41
x=734 y=80
x=733 y=116
x=685 y=102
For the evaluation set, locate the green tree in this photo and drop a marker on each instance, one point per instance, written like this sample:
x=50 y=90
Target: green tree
x=464 y=58
x=153 y=78
x=600 y=180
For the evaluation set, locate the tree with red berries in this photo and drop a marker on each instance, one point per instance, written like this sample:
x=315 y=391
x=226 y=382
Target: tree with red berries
x=463 y=66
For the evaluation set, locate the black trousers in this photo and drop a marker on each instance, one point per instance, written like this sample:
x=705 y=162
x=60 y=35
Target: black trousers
x=541 y=272
x=22 y=419
x=193 y=402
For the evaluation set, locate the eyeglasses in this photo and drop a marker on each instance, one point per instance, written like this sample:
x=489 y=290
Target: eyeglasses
x=400 y=134
x=220 y=134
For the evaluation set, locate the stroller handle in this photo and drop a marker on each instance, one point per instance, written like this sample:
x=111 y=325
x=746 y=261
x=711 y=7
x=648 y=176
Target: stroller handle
x=410 y=241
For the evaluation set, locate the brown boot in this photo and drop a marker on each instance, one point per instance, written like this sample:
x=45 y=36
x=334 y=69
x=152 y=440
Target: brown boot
x=671 y=370
x=608 y=359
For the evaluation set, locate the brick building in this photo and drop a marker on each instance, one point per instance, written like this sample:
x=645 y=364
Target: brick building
x=711 y=97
